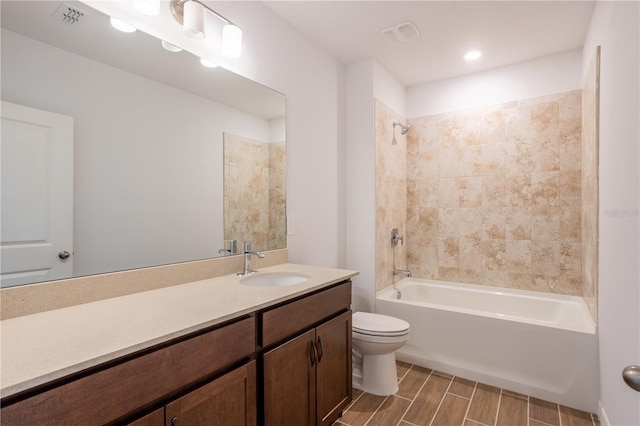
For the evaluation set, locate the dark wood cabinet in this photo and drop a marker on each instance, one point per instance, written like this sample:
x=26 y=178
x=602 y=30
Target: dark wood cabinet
x=155 y=418
x=289 y=364
x=290 y=383
x=227 y=401
x=307 y=379
x=333 y=368
x=121 y=388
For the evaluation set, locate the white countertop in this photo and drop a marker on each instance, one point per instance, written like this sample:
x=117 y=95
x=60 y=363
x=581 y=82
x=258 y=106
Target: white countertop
x=38 y=348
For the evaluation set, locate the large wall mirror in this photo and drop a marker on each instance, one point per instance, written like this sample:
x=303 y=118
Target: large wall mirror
x=150 y=131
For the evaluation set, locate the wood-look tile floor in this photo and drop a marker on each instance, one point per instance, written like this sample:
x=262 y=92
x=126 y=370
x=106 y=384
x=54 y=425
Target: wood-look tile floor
x=427 y=397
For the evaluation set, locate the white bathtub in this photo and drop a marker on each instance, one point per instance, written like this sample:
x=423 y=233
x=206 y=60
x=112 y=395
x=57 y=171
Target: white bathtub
x=539 y=344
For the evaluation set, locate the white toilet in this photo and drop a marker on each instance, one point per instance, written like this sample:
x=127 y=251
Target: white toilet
x=375 y=339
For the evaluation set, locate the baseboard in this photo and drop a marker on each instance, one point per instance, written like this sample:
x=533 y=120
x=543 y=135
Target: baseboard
x=604 y=421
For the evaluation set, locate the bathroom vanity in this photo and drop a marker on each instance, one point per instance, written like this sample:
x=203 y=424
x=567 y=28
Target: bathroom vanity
x=256 y=355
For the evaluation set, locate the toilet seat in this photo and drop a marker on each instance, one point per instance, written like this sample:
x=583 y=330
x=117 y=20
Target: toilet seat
x=369 y=324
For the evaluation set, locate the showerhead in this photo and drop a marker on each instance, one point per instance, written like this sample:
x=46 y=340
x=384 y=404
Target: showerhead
x=404 y=128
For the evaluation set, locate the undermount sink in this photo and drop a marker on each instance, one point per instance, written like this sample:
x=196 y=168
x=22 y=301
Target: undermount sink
x=274 y=279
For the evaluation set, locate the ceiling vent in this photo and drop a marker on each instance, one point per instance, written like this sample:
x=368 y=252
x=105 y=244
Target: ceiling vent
x=68 y=14
x=401 y=32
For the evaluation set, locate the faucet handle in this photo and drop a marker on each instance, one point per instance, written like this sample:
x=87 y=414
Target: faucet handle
x=247 y=246
x=395 y=237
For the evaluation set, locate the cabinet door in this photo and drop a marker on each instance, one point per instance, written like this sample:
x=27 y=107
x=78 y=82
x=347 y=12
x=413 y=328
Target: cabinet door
x=227 y=401
x=333 y=343
x=290 y=382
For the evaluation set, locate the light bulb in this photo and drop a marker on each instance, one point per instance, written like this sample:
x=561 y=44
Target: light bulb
x=231 y=41
x=193 y=20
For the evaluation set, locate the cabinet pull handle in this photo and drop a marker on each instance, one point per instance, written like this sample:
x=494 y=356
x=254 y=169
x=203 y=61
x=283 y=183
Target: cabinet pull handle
x=319 y=346
x=312 y=349
x=174 y=421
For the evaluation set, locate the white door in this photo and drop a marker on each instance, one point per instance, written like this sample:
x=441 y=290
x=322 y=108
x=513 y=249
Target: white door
x=36 y=205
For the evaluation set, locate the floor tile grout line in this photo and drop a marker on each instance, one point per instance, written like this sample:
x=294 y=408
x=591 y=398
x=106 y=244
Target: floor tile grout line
x=414 y=397
x=498 y=410
x=410 y=404
x=475 y=386
x=424 y=383
x=559 y=414
x=435 y=414
x=376 y=410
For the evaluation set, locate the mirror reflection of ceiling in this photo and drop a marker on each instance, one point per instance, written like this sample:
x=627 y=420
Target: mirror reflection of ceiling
x=93 y=37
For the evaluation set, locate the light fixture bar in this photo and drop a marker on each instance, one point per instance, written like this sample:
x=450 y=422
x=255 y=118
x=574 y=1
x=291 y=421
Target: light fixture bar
x=177 y=8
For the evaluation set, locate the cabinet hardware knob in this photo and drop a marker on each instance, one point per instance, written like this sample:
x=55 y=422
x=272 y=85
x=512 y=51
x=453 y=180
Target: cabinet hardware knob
x=312 y=349
x=319 y=346
x=174 y=421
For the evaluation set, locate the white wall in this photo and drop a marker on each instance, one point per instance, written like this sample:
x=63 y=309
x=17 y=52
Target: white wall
x=538 y=77
x=278 y=56
x=389 y=90
x=133 y=176
x=614 y=26
x=364 y=81
x=360 y=182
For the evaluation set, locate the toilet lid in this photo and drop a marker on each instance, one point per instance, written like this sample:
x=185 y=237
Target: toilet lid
x=378 y=325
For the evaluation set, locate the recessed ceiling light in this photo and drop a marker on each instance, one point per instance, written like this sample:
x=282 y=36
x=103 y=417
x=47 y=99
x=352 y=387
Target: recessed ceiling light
x=472 y=55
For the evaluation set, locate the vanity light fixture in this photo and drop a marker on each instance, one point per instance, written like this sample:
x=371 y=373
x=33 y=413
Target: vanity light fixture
x=193 y=19
x=122 y=26
x=191 y=14
x=472 y=55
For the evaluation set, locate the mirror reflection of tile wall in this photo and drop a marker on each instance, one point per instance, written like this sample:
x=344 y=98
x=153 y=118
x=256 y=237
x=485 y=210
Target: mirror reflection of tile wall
x=254 y=192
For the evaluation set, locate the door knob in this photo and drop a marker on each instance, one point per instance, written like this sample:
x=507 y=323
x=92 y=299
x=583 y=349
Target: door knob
x=64 y=255
x=631 y=376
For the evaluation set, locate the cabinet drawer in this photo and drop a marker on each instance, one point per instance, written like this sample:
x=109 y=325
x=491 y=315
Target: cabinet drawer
x=114 y=392
x=287 y=320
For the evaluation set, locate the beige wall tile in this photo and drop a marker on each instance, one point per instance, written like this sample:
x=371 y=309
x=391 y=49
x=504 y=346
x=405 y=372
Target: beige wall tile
x=392 y=190
x=495 y=195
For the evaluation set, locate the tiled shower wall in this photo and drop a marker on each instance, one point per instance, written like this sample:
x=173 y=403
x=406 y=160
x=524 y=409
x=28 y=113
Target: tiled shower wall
x=254 y=192
x=391 y=193
x=494 y=195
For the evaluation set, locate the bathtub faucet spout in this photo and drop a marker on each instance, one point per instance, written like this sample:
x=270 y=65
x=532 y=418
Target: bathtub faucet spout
x=403 y=272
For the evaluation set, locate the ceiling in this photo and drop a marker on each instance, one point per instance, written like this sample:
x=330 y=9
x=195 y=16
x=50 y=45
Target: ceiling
x=507 y=32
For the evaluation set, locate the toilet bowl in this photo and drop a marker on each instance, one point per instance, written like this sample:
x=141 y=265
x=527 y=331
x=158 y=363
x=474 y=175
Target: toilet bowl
x=375 y=339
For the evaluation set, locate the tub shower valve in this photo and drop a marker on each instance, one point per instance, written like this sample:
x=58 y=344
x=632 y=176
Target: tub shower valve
x=396 y=237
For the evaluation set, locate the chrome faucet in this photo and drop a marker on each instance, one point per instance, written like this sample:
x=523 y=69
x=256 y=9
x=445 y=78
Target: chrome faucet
x=247 y=258
x=233 y=248
x=396 y=237
x=403 y=272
